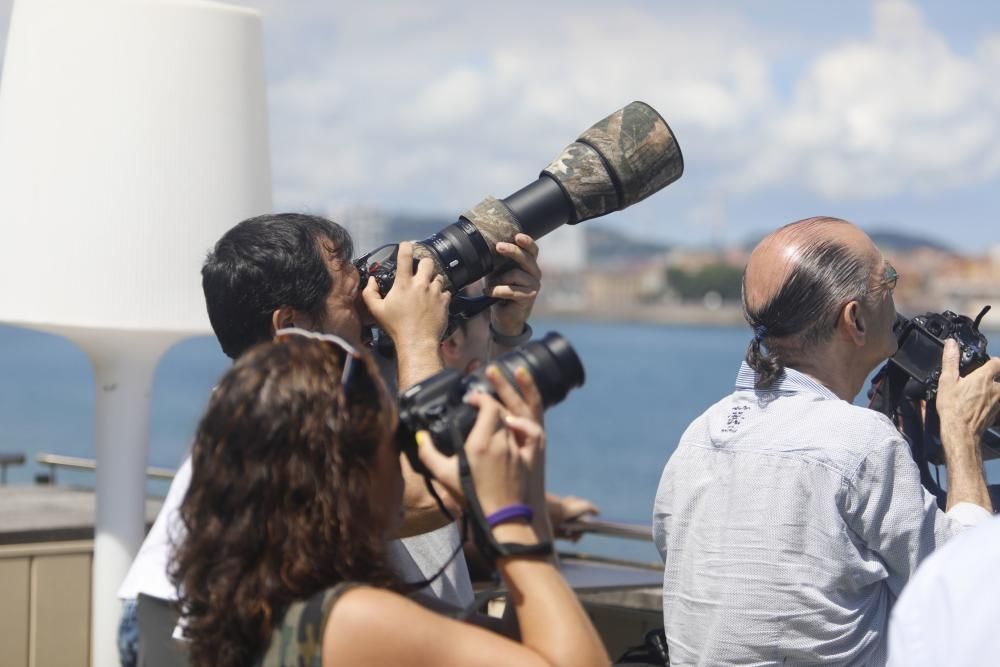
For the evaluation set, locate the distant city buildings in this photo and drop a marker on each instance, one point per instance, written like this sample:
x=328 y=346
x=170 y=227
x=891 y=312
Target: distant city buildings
x=592 y=272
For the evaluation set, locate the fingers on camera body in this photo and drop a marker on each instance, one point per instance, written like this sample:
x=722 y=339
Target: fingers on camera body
x=974 y=399
x=525 y=400
x=416 y=305
x=486 y=452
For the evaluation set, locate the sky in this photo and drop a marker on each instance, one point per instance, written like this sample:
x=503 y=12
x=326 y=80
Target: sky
x=885 y=113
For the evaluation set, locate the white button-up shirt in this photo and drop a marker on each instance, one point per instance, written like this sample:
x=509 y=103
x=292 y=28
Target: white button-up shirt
x=789 y=521
x=948 y=612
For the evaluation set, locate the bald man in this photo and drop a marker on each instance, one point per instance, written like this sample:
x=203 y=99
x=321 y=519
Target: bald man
x=788 y=518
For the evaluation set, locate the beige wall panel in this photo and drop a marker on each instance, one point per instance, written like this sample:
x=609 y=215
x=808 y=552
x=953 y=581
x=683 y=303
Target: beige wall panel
x=60 y=611
x=14 y=611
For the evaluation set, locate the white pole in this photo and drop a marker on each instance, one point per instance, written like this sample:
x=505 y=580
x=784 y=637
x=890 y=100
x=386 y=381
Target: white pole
x=124 y=365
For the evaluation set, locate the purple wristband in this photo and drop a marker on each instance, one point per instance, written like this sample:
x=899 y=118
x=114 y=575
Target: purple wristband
x=505 y=514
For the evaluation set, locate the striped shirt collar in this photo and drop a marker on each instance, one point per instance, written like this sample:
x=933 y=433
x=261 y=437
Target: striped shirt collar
x=790 y=381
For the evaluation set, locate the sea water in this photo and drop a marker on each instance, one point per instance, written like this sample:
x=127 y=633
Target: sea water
x=607 y=442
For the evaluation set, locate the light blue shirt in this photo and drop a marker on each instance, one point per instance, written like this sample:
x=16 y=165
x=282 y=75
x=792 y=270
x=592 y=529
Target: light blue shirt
x=789 y=521
x=948 y=612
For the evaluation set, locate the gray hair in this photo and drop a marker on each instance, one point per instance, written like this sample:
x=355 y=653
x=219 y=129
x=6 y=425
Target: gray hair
x=804 y=311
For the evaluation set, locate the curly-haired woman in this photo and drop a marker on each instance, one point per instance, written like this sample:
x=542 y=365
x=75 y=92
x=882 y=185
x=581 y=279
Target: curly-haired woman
x=296 y=484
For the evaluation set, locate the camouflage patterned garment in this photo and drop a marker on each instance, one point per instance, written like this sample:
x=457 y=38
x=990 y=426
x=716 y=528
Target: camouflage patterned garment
x=299 y=638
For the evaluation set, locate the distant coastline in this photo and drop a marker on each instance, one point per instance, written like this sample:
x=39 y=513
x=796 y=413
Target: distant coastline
x=680 y=314
x=694 y=315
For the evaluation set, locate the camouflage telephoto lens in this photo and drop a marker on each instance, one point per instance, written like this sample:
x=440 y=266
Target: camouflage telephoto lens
x=617 y=162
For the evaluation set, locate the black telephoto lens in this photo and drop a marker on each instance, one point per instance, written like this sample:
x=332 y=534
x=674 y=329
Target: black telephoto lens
x=553 y=365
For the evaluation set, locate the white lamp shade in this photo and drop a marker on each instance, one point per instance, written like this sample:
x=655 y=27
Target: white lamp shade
x=133 y=133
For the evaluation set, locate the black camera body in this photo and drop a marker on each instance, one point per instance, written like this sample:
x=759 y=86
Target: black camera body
x=437 y=404
x=921 y=343
x=905 y=388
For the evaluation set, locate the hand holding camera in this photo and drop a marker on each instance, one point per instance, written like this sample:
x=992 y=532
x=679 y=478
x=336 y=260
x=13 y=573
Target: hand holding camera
x=505 y=449
x=415 y=308
x=967 y=405
x=413 y=313
x=437 y=404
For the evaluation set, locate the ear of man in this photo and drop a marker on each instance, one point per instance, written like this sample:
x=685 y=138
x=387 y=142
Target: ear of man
x=854 y=322
x=285 y=317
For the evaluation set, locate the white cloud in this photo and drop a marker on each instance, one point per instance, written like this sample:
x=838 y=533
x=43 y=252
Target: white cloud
x=433 y=105
x=456 y=98
x=439 y=106
x=898 y=112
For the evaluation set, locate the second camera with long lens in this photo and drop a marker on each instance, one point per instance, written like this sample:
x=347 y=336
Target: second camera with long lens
x=437 y=404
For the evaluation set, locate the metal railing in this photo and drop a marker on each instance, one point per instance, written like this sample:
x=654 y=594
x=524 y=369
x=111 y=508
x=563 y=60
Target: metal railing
x=597 y=526
x=56 y=461
x=586 y=524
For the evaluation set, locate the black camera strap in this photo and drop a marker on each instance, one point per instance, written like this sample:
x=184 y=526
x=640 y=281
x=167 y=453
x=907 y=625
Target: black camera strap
x=888 y=396
x=413 y=586
x=887 y=389
x=482 y=533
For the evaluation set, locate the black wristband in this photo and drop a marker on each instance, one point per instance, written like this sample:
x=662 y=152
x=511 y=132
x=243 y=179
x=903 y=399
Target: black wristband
x=511 y=341
x=513 y=550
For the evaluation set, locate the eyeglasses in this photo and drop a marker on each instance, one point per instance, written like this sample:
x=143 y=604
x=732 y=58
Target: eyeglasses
x=351 y=354
x=889 y=277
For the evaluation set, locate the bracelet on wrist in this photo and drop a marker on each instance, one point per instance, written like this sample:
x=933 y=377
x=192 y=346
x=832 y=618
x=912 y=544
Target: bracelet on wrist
x=538 y=550
x=510 y=513
x=511 y=341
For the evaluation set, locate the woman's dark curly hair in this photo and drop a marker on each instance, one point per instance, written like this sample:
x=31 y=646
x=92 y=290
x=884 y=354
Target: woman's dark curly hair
x=280 y=503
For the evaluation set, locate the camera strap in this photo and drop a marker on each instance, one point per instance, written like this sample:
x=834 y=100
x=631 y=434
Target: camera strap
x=888 y=397
x=482 y=533
x=887 y=389
x=413 y=586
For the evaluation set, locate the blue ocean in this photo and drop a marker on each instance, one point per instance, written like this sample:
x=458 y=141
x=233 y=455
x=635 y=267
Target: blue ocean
x=608 y=441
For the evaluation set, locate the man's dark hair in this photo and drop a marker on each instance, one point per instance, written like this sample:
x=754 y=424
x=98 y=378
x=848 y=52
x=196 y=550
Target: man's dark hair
x=803 y=313
x=264 y=263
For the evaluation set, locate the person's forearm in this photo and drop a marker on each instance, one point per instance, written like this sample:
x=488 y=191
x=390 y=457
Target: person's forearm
x=550 y=617
x=964 y=462
x=416 y=362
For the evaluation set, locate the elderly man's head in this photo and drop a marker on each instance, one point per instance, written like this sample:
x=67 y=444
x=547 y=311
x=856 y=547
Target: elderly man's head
x=818 y=285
